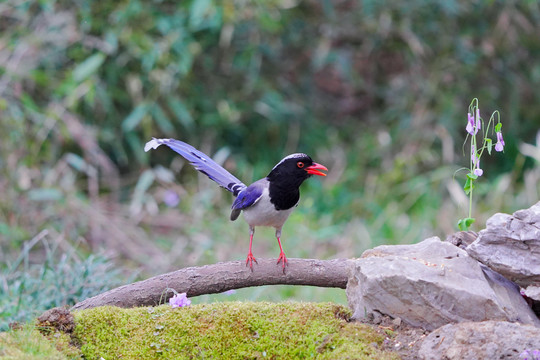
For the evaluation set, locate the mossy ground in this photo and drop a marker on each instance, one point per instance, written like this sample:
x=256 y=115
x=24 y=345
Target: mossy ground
x=226 y=330
x=229 y=330
x=29 y=344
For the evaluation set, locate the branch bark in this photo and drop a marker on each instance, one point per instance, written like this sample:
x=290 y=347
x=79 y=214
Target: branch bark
x=220 y=277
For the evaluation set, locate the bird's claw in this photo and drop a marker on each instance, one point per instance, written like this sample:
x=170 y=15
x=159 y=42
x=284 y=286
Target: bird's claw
x=249 y=261
x=283 y=259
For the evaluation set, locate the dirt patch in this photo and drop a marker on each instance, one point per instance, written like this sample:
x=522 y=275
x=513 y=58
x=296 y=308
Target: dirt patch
x=58 y=319
x=399 y=337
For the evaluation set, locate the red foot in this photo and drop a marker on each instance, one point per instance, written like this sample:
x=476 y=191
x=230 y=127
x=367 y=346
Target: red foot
x=250 y=259
x=282 y=258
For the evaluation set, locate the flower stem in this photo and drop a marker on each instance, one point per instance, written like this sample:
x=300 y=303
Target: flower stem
x=470 y=200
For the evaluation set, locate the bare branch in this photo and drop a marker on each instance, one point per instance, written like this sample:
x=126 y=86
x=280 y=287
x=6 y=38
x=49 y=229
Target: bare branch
x=220 y=277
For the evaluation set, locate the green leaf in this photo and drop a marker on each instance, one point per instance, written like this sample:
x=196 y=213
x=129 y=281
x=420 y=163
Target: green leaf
x=468 y=187
x=489 y=145
x=472 y=176
x=145 y=181
x=29 y=103
x=134 y=118
x=136 y=147
x=88 y=67
x=66 y=87
x=180 y=110
x=498 y=127
x=76 y=162
x=162 y=120
x=45 y=194
x=198 y=11
x=465 y=224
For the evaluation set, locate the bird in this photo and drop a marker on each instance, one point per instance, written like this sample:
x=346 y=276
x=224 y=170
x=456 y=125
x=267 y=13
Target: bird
x=266 y=202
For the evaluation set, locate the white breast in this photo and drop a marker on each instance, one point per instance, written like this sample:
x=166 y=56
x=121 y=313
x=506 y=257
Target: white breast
x=263 y=213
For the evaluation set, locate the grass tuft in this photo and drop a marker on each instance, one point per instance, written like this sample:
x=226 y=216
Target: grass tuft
x=28 y=343
x=30 y=285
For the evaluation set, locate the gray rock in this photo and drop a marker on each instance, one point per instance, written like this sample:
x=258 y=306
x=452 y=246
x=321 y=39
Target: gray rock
x=481 y=340
x=533 y=298
x=462 y=239
x=510 y=245
x=533 y=292
x=431 y=284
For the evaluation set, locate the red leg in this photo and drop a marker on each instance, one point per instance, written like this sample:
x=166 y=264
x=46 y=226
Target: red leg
x=282 y=257
x=250 y=258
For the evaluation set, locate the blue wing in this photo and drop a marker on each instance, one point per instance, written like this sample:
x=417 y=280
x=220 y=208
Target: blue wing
x=248 y=197
x=201 y=162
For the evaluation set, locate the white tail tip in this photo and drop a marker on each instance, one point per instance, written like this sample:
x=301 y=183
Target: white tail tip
x=152 y=144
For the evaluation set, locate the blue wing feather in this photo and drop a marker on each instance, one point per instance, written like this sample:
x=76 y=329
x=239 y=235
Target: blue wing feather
x=201 y=162
x=248 y=196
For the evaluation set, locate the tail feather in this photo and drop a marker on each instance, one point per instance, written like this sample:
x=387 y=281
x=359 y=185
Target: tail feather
x=201 y=162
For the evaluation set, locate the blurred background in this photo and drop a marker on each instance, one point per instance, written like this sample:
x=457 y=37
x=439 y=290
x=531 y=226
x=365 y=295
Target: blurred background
x=378 y=91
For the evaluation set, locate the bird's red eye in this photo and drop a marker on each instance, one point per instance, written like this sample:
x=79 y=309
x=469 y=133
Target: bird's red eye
x=300 y=164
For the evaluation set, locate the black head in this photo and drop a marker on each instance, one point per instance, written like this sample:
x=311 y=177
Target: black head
x=294 y=169
x=287 y=176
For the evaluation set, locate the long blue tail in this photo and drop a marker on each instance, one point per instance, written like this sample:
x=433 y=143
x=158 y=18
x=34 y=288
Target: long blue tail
x=201 y=162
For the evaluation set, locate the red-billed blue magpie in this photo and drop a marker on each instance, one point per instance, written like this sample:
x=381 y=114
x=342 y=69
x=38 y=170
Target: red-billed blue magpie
x=266 y=202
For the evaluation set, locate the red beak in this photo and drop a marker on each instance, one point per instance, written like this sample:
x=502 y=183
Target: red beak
x=314 y=169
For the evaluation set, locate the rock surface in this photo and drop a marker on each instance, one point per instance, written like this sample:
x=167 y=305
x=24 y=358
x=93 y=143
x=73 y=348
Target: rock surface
x=533 y=292
x=462 y=239
x=481 y=340
x=431 y=284
x=510 y=245
x=532 y=296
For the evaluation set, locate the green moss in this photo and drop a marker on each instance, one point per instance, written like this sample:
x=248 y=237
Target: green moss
x=230 y=330
x=28 y=344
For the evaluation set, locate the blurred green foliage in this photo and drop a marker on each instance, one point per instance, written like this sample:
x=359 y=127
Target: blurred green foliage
x=60 y=278
x=376 y=90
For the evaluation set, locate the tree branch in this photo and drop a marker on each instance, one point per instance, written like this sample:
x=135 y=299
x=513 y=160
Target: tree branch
x=220 y=277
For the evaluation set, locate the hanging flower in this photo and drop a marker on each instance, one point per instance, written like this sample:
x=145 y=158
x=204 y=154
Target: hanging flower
x=473 y=124
x=478 y=171
x=499 y=146
x=476 y=162
x=470 y=125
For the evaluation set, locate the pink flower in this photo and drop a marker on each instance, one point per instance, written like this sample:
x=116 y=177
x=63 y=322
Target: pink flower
x=470 y=124
x=476 y=162
x=473 y=125
x=171 y=198
x=529 y=354
x=179 y=300
x=499 y=146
